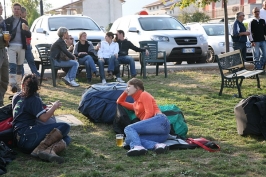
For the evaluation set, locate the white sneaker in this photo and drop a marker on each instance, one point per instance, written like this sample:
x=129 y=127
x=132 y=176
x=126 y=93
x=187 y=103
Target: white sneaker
x=73 y=83
x=103 y=81
x=119 y=80
x=66 y=80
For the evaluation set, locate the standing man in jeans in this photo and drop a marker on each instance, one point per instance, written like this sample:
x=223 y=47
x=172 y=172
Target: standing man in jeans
x=257 y=39
x=19 y=30
x=3 y=62
x=239 y=36
x=124 y=46
x=28 y=54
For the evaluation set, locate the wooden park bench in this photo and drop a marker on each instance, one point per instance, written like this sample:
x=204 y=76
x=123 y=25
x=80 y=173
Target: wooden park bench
x=233 y=71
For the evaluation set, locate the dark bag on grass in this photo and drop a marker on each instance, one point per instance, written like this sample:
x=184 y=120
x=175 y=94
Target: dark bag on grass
x=250 y=114
x=6 y=131
x=6 y=156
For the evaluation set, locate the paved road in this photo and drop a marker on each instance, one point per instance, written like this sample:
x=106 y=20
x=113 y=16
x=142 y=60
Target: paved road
x=151 y=69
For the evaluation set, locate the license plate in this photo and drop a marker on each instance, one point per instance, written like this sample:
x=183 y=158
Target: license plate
x=188 y=50
x=249 y=50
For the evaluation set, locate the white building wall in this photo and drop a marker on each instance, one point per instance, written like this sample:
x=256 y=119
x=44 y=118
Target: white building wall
x=103 y=11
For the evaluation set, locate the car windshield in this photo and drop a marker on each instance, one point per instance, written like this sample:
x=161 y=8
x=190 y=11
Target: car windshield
x=72 y=23
x=214 y=30
x=160 y=23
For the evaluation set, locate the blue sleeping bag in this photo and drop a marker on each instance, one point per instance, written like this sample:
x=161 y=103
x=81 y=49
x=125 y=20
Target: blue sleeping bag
x=98 y=102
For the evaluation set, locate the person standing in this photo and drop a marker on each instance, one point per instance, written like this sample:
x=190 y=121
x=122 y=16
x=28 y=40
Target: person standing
x=28 y=54
x=257 y=39
x=3 y=63
x=263 y=11
x=239 y=36
x=19 y=30
x=124 y=46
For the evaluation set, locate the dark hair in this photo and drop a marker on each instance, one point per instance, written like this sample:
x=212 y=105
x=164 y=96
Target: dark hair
x=16 y=4
x=23 y=9
x=121 y=32
x=137 y=83
x=110 y=34
x=30 y=85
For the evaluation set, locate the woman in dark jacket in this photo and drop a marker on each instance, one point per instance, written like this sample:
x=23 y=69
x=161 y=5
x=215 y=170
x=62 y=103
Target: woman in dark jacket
x=83 y=50
x=59 y=49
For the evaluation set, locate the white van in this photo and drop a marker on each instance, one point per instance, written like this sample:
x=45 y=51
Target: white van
x=179 y=43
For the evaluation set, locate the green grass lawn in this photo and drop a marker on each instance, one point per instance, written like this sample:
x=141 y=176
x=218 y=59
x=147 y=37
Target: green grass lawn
x=93 y=151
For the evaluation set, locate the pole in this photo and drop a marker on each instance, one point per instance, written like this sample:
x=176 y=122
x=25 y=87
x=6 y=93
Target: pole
x=41 y=7
x=5 y=7
x=226 y=31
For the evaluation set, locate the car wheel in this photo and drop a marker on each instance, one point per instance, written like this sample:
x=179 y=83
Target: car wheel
x=210 y=55
x=177 y=63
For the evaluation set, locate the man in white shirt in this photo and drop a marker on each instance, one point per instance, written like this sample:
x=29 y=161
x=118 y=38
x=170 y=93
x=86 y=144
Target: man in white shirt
x=263 y=11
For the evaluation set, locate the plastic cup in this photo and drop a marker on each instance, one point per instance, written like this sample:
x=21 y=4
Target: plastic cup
x=119 y=140
x=6 y=35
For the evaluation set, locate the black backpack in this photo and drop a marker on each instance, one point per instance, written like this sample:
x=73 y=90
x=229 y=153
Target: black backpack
x=250 y=116
x=6 y=135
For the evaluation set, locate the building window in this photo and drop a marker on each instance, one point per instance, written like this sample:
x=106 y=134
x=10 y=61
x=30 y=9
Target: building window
x=150 y=8
x=165 y=12
x=157 y=7
x=170 y=12
x=153 y=8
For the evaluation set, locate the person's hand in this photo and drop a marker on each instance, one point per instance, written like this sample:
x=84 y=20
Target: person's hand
x=247 y=33
x=147 y=52
x=97 y=47
x=70 y=48
x=56 y=104
x=253 y=44
x=25 y=27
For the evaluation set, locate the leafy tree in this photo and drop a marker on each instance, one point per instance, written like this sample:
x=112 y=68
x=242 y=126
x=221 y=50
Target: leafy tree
x=197 y=16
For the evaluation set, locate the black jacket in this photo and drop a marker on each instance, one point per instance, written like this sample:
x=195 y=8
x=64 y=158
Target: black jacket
x=59 y=46
x=125 y=45
x=24 y=34
x=258 y=29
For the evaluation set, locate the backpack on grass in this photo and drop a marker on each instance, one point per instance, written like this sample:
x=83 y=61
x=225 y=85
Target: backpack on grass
x=250 y=114
x=6 y=131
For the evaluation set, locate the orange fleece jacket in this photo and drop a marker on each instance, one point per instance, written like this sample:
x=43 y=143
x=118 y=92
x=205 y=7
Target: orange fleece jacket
x=144 y=104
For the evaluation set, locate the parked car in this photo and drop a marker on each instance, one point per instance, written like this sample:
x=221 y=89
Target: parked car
x=179 y=43
x=215 y=35
x=44 y=29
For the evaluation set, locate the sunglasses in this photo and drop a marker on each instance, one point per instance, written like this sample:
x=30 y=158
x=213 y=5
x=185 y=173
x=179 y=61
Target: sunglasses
x=256 y=11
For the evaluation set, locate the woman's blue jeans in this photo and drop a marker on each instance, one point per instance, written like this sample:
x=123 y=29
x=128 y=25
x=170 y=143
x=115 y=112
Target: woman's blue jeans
x=108 y=61
x=89 y=65
x=148 y=132
x=30 y=137
x=71 y=64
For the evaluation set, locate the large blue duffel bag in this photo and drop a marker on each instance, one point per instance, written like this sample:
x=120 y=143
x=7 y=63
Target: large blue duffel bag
x=98 y=102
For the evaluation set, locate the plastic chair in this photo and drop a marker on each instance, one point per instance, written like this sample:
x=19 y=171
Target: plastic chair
x=46 y=61
x=152 y=47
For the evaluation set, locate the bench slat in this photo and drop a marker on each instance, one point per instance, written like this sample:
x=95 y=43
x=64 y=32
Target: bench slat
x=245 y=73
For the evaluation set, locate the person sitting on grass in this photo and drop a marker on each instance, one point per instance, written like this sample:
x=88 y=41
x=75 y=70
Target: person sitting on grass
x=107 y=54
x=152 y=129
x=41 y=140
x=82 y=49
x=63 y=58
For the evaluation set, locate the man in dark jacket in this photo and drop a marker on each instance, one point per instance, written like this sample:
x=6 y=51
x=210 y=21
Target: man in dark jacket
x=19 y=30
x=239 y=36
x=257 y=28
x=124 y=46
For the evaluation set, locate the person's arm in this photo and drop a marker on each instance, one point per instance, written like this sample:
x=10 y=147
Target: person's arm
x=91 y=49
x=147 y=99
x=75 y=51
x=250 y=30
x=47 y=115
x=26 y=32
x=116 y=49
x=133 y=47
x=62 y=47
x=100 y=51
x=122 y=101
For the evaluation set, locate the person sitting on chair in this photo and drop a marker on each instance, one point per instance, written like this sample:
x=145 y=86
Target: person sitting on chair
x=41 y=140
x=63 y=58
x=152 y=129
x=83 y=50
x=108 y=52
x=124 y=46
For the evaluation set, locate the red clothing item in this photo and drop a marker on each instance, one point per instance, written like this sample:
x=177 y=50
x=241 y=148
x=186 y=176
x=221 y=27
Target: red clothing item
x=144 y=104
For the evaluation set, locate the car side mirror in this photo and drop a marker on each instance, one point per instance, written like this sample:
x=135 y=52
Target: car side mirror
x=188 y=28
x=133 y=29
x=40 y=30
x=103 y=29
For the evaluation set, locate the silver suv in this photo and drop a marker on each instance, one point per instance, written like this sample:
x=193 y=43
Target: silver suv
x=179 y=43
x=44 y=29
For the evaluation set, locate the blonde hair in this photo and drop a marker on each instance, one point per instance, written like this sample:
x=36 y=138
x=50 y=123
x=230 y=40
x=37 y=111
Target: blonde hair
x=61 y=31
x=81 y=33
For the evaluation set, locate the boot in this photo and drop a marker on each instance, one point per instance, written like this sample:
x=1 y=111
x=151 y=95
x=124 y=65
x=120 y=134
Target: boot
x=13 y=83
x=50 y=154
x=54 y=136
x=18 y=80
